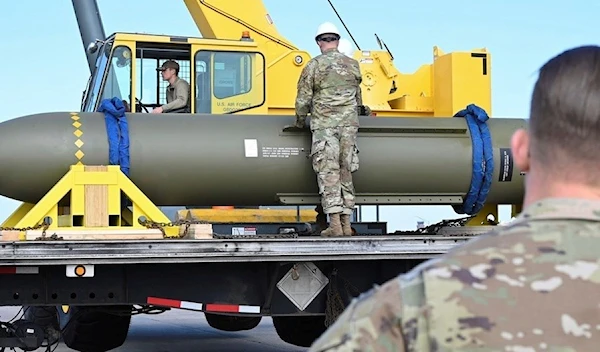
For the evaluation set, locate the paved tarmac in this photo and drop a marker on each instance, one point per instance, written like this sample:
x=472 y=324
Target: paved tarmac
x=184 y=331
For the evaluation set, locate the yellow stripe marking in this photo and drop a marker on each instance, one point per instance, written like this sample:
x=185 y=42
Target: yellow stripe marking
x=78 y=133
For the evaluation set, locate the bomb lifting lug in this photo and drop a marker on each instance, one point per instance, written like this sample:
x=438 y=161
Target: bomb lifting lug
x=91 y=202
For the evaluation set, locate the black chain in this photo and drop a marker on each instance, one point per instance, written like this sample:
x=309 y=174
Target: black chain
x=434 y=229
x=161 y=225
x=43 y=226
x=28 y=228
x=431 y=229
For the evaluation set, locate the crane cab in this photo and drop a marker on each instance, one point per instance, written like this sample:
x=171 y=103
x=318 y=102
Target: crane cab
x=225 y=76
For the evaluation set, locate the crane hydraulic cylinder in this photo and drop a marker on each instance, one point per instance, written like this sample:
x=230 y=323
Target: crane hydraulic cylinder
x=249 y=160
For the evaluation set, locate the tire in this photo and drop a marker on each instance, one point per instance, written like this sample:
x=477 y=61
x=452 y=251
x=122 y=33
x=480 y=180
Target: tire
x=47 y=318
x=94 y=329
x=300 y=330
x=231 y=323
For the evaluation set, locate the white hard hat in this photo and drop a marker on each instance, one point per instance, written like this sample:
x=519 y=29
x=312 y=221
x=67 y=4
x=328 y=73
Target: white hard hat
x=327 y=27
x=345 y=47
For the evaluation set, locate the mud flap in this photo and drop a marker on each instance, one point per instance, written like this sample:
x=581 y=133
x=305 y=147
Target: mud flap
x=94 y=328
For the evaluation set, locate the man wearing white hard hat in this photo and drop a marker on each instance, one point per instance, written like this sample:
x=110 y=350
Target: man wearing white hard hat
x=329 y=89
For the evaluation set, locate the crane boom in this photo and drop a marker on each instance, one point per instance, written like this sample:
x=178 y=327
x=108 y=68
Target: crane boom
x=90 y=26
x=226 y=19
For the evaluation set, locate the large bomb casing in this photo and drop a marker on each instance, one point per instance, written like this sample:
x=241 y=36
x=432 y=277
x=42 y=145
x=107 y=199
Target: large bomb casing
x=249 y=160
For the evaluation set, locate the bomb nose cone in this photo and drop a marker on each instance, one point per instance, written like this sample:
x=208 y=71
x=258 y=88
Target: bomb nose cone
x=28 y=149
x=35 y=152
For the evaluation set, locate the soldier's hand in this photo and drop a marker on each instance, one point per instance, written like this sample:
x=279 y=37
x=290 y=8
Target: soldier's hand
x=300 y=122
x=364 y=110
x=292 y=128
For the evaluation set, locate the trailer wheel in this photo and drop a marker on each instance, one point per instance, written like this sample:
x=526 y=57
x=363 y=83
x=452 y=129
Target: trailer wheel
x=299 y=330
x=231 y=322
x=45 y=317
x=94 y=329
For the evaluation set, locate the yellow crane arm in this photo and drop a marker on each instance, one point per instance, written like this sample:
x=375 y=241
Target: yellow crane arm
x=227 y=19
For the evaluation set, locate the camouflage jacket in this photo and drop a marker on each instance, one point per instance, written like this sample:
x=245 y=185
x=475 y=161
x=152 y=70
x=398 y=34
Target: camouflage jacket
x=329 y=89
x=532 y=285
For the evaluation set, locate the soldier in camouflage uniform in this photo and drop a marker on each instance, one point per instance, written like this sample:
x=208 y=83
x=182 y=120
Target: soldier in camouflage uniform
x=329 y=89
x=531 y=285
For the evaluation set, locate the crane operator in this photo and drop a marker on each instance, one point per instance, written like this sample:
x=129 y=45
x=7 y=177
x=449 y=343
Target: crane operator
x=178 y=90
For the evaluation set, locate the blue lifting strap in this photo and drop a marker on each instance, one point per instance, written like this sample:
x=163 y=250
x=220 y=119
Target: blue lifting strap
x=483 y=159
x=117 y=131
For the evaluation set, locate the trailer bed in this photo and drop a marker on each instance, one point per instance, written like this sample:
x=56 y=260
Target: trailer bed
x=230 y=250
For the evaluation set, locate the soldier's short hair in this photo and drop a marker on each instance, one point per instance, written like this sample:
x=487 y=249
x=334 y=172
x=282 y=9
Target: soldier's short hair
x=564 y=118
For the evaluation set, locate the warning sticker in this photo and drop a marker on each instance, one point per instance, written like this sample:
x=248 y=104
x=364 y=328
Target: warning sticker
x=506 y=165
x=243 y=231
x=281 y=152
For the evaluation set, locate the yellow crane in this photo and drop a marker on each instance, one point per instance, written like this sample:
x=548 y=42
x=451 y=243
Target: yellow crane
x=439 y=89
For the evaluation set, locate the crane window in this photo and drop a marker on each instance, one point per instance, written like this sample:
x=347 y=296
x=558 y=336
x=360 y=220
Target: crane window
x=96 y=83
x=231 y=73
x=118 y=79
x=228 y=81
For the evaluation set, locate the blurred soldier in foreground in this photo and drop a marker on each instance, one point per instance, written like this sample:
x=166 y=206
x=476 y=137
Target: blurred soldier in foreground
x=532 y=285
x=329 y=89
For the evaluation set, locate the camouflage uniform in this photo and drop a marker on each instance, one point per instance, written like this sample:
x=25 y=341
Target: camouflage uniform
x=329 y=89
x=532 y=285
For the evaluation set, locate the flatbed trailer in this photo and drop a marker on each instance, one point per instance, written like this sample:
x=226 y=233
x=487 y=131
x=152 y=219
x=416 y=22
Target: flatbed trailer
x=205 y=271
x=303 y=282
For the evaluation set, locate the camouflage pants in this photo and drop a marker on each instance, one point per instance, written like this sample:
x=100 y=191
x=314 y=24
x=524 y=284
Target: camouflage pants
x=334 y=159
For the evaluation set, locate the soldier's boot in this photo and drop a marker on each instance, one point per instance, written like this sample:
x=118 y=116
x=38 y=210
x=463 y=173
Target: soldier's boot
x=335 y=227
x=346 y=227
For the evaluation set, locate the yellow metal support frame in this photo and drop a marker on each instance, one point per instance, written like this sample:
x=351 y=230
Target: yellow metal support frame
x=248 y=215
x=91 y=207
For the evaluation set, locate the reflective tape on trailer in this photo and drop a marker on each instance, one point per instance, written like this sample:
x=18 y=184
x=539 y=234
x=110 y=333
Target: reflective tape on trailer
x=232 y=308
x=210 y=307
x=13 y=270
